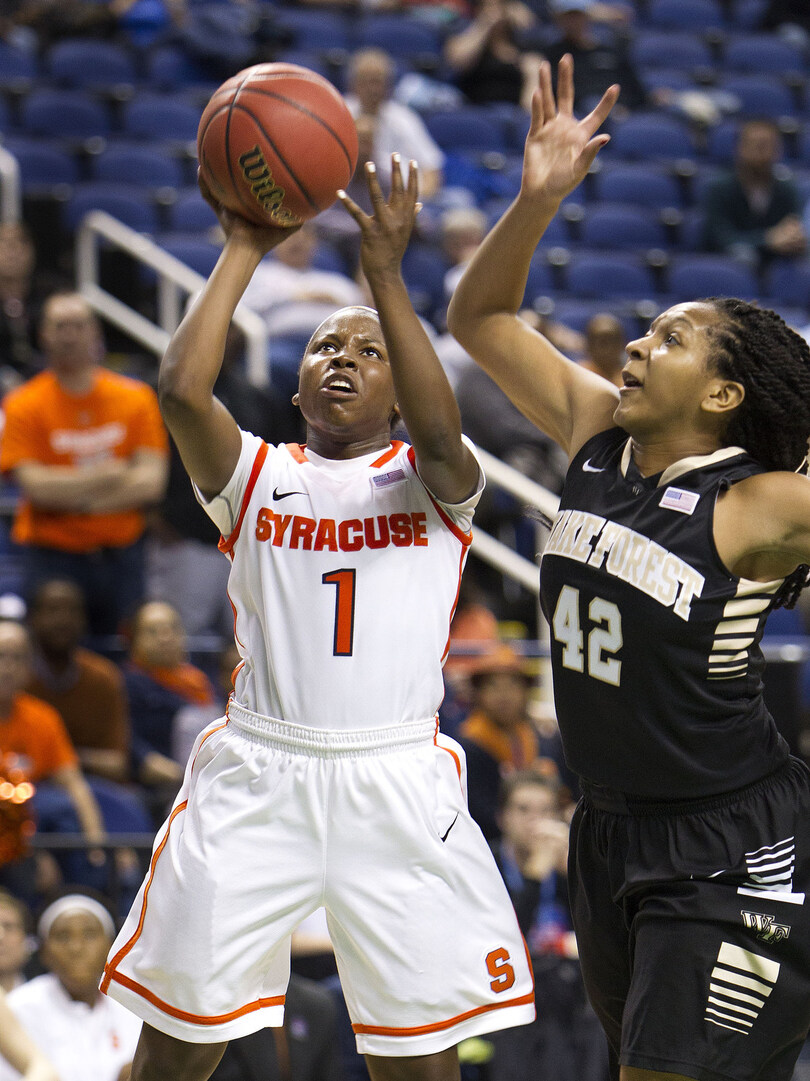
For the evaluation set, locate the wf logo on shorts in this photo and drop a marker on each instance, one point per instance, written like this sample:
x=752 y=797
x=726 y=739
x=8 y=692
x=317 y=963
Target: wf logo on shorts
x=765 y=926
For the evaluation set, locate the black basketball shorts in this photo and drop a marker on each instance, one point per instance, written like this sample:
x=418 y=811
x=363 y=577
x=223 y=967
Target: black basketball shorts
x=693 y=923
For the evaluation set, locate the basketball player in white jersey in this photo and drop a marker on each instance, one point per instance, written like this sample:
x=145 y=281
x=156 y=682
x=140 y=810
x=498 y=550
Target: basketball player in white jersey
x=328 y=782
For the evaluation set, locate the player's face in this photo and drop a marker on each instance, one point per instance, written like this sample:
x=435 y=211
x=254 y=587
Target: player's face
x=668 y=374
x=345 y=387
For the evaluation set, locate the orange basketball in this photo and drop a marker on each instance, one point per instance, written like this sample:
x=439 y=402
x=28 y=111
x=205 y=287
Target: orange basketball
x=275 y=143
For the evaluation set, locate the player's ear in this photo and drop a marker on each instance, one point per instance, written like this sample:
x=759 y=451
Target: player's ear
x=295 y=398
x=723 y=396
x=395 y=416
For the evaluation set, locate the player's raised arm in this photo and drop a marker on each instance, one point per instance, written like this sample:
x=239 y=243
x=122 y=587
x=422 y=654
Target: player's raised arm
x=424 y=396
x=561 y=398
x=205 y=433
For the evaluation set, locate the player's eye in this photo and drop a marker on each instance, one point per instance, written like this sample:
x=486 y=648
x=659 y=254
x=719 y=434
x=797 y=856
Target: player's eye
x=671 y=339
x=325 y=347
x=371 y=351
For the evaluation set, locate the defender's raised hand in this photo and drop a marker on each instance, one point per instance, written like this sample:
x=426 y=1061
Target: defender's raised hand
x=559 y=148
x=386 y=232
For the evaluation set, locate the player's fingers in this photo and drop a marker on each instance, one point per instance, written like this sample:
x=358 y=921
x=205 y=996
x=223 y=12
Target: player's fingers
x=565 y=85
x=397 y=186
x=547 y=94
x=537 y=112
x=205 y=191
x=413 y=183
x=599 y=114
x=352 y=208
x=591 y=150
x=374 y=189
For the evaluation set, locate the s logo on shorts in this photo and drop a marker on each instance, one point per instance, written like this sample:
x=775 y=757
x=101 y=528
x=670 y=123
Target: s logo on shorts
x=500 y=969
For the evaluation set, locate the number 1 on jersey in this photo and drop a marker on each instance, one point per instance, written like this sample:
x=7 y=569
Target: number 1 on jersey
x=343 y=581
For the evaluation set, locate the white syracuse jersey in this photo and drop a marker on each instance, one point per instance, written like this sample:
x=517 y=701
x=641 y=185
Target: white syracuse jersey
x=344 y=579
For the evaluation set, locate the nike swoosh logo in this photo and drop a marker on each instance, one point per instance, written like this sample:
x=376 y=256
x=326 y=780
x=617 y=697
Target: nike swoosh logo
x=588 y=468
x=283 y=495
x=450 y=827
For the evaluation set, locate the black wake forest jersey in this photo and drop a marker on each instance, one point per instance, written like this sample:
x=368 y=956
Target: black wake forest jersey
x=654 y=645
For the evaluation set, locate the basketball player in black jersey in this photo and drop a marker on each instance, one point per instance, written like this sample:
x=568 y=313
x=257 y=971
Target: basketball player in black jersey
x=685 y=519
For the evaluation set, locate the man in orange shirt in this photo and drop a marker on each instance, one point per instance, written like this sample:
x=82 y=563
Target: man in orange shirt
x=88 y=449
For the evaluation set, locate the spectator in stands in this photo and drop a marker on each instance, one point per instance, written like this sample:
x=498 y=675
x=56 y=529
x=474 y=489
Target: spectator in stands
x=598 y=62
x=184 y=565
x=15 y=939
x=486 y=56
x=167 y=695
x=85 y=1034
x=498 y=737
x=18 y=1050
x=462 y=229
x=605 y=340
x=385 y=127
x=20 y=296
x=88 y=449
x=85 y=688
x=34 y=732
x=565 y=1041
x=752 y=213
x=305 y=1049
x=294 y=297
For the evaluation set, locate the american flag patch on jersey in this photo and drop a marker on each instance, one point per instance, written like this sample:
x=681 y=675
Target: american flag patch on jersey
x=385 y=479
x=679 y=499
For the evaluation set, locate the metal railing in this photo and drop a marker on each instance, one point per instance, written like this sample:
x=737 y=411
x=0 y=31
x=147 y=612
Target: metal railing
x=176 y=282
x=10 y=191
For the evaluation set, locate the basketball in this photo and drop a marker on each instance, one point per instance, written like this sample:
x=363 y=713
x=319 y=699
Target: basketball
x=275 y=143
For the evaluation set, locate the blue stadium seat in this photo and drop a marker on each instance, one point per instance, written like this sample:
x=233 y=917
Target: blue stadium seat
x=6 y=124
x=692 y=276
x=85 y=63
x=66 y=114
x=762 y=54
x=168 y=67
x=400 y=35
x=747 y=14
x=578 y=313
x=43 y=166
x=157 y=116
x=788 y=283
x=690 y=230
x=647 y=185
x=126 y=203
x=423 y=271
x=197 y=252
x=17 y=66
x=721 y=141
x=467 y=128
x=760 y=95
x=190 y=212
x=654 y=48
x=319 y=29
x=653 y=79
x=685 y=15
x=599 y=274
x=146 y=166
x=621 y=227
x=648 y=136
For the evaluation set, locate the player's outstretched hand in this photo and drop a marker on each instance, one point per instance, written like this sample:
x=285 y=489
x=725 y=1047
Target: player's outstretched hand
x=386 y=232
x=263 y=237
x=559 y=148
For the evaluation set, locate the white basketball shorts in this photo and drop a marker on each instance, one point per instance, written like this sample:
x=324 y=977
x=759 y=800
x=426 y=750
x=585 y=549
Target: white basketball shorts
x=274 y=821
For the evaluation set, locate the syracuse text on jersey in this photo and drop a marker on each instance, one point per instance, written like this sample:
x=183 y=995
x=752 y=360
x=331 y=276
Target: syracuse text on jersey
x=327 y=535
x=628 y=555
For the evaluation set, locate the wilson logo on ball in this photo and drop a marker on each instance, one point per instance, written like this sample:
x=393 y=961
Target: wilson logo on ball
x=265 y=190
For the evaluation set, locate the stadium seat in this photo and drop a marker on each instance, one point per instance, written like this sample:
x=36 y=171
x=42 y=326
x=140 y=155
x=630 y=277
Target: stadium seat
x=400 y=35
x=168 y=67
x=468 y=128
x=127 y=203
x=620 y=227
x=762 y=54
x=647 y=185
x=155 y=116
x=578 y=313
x=321 y=29
x=66 y=114
x=84 y=63
x=423 y=271
x=146 y=166
x=760 y=95
x=648 y=136
x=17 y=66
x=721 y=141
x=190 y=212
x=691 y=276
x=43 y=166
x=747 y=14
x=599 y=274
x=654 y=48
x=788 y=283
x=196 y=252
x=685 y=15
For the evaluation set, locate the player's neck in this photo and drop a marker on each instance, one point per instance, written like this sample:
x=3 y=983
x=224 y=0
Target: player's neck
x=654 y=455
x=323 y=444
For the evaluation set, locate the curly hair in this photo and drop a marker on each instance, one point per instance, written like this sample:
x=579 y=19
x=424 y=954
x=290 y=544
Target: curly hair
x=756 y=348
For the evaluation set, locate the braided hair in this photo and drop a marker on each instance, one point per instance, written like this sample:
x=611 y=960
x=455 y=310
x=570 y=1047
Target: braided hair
x=755 y=347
